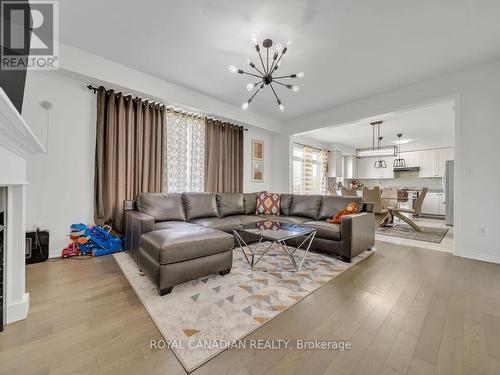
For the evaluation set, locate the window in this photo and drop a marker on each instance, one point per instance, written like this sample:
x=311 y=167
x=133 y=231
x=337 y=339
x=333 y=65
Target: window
x=184 y=155
x=300 y=180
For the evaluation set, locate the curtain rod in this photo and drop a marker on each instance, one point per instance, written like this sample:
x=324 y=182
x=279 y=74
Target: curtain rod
x=94 y=89
x=315 y=148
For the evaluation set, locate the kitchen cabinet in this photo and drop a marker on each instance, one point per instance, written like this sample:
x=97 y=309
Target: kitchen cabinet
x=412 y=158
x=350 y=166
x=434 y=204
x=335 y=164
x=433 y=162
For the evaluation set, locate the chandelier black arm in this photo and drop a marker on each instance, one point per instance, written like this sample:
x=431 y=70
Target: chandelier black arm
x=267 y=60
x=282 y=84
x=256 y=84
x=274 y=65
x=274 y=92
x=288 y=76
x=255 y=93
x=257 y=69
x=250 y=74
x=262 y=61
x=277 y=61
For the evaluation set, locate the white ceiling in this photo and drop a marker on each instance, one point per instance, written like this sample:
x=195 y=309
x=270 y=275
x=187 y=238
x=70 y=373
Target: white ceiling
x=432 y=126
x=347 y=49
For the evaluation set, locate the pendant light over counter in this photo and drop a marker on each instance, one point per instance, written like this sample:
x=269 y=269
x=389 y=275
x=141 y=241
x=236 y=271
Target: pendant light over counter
x=379 y=163
x=399 y=162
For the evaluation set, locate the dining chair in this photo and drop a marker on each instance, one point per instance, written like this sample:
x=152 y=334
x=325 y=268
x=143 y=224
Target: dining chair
x=351 y=192
x=389 y=197
x=374 y=197
x=417 y=207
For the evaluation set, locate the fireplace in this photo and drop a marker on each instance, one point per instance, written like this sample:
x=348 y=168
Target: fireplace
x=17 y=144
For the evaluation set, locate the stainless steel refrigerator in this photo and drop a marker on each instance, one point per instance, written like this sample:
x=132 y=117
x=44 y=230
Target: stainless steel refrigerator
x=449 y=193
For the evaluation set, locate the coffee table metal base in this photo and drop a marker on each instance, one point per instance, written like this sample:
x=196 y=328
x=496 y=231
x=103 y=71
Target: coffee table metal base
x=290 y=251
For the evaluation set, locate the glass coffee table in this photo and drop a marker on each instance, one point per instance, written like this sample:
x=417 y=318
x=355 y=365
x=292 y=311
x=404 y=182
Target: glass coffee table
x=277 y=233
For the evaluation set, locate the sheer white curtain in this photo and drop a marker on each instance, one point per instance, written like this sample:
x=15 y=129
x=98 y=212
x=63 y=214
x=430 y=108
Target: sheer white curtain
x=184 y=166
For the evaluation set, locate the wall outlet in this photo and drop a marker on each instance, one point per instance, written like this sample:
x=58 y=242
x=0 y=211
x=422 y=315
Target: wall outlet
x=38 y=226
x=481 y=231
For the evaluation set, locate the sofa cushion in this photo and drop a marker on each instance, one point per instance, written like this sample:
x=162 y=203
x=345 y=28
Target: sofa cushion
x=162 y=206
x=325 y=230
x=285 y=219
x=250 y=202
x=306 y=205
x=225 y=224
x=246 y=219
x=330 y=205
x=230 y=204
x=268 y=204
x=199 y=205
x=176 y=245
x=172 y=224
x=286 y=203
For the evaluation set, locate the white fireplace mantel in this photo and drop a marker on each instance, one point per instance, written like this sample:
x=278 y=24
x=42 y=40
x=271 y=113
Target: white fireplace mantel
x=17 y=144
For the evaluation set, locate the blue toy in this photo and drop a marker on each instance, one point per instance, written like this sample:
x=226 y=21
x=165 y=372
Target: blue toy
x=91 y=240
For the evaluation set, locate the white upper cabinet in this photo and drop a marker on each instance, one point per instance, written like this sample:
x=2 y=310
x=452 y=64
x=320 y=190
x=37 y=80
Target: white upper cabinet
x=412 y=158
x=350 y=166
x=335 y=163
x=433 y=162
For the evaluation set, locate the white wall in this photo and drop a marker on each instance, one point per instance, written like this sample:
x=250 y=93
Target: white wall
x=60 y=182
x=12 y=167
x=477 y=91
x=250 y=186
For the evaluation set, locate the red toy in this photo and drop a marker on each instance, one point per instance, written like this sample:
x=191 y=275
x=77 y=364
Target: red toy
x=70 y=251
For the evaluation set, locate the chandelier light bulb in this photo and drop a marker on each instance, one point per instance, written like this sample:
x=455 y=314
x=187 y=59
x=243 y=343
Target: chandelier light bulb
x=288 y=44
x=244 y=106
x=233 y=69
x=295 y=88
x=254 y=39
x=250 y=86
x=279 y=47
x=282 y=108
x=300 y=75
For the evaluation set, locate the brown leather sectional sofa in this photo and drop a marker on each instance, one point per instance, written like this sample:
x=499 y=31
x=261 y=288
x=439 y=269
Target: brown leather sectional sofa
x=177 y=237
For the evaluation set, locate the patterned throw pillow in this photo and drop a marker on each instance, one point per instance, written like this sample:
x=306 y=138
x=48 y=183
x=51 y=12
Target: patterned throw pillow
x=268 y=204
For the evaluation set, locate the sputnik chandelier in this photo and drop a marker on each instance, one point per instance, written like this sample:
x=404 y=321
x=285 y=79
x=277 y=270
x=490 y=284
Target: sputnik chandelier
x=266 y=73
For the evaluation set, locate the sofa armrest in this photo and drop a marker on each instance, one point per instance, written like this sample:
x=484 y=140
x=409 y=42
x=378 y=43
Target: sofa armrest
x=135 y=224
x=357 y=234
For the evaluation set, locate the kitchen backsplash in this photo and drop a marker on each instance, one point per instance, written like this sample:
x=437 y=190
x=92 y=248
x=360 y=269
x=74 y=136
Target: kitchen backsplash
x=402 y=180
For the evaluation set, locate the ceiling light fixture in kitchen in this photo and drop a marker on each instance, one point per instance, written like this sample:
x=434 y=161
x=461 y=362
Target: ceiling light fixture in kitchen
x=399 y=161
x=379 y=163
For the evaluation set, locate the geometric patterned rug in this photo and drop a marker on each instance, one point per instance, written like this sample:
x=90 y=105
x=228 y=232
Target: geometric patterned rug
x=204 y=317
x=428 y=234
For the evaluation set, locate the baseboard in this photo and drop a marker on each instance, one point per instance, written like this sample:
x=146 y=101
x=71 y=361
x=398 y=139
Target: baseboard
x=19 y=310
x=479 y=256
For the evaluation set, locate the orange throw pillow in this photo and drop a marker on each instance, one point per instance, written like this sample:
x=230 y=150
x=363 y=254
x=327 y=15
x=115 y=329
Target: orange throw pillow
x=351 y=208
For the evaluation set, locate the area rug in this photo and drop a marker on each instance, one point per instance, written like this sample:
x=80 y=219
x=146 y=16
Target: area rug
x=201 y=318
x=428 y=234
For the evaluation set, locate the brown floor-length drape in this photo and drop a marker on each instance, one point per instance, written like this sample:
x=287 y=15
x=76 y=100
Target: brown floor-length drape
x=223 y=157
x=129 y=153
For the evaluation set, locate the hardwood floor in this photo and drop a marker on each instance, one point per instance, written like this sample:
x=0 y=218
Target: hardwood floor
x=406 y=310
